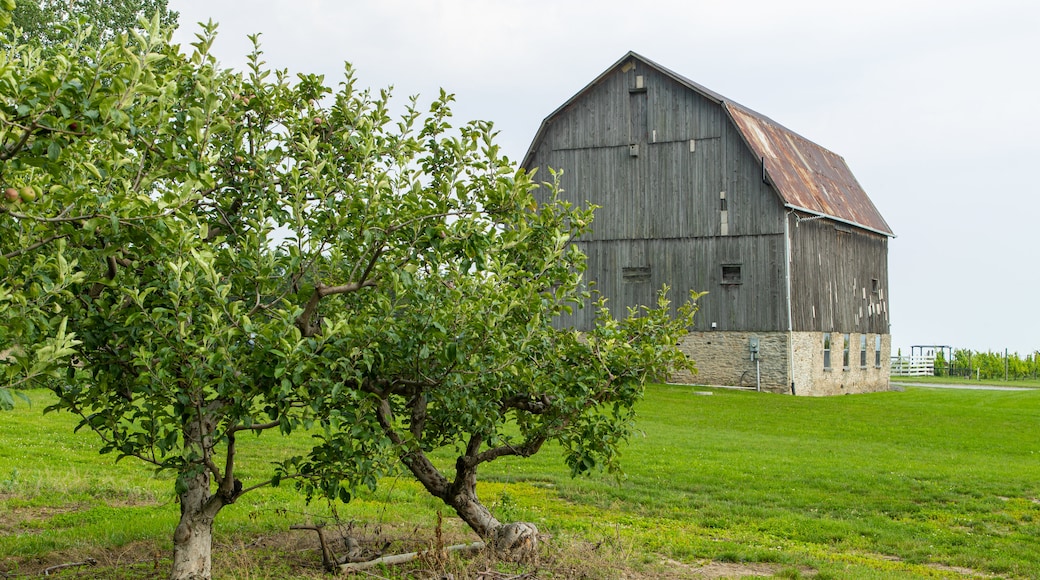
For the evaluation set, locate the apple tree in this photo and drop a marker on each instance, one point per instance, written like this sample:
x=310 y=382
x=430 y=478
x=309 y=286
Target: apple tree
x=44 y=24
x=145 y=282
x=194 y=255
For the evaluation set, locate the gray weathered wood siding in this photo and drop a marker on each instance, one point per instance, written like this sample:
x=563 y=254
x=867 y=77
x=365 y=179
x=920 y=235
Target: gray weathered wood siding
x=666 y=190
x=631 y=272
x=833 y=273
x=660 y=212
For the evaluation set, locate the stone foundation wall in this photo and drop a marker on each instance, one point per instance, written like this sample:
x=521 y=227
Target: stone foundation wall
x=810 y=377
x=724 y=359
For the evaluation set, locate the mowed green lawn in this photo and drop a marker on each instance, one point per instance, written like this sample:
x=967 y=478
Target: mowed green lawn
x=926 y=483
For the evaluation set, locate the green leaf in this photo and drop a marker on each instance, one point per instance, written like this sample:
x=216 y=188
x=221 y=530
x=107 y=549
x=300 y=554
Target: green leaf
x=6 y=401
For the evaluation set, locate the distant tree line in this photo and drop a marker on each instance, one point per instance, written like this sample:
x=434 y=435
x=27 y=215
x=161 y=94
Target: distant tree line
x=988 y=365
x=49 y=23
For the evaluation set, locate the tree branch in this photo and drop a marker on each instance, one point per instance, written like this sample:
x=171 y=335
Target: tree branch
x=32 y=247
x=413 y=459
x=254 y=427
x=303 y=322
x=112 y=269
x=473 y=447
x=371 y=264
x=75 y=409
x=385 y=416
x=383 y=388
x=534 y=404
x=227 y=485
x=264 y=484
x=418 y=423
x=529 y=448
x=212 y=467
x=64 y=218
x=13 y=150
x=431 y=216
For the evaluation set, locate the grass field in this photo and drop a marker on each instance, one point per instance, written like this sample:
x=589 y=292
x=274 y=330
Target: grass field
x=1024 y=383
x=925 y=483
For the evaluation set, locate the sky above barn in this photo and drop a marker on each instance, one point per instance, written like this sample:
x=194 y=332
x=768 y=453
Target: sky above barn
x=935 y=106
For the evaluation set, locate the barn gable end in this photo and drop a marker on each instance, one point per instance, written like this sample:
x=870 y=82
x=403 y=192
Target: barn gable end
x=700 y=193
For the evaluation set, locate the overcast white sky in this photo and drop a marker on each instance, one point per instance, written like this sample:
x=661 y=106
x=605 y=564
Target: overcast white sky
x=935 y=105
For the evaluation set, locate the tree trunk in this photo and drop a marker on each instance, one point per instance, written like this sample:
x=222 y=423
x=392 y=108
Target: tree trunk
x=193 y=538
x=475 y=514
x=516 y=541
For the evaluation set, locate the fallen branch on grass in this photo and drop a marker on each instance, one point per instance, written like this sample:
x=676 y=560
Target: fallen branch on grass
x=328 y=560
x=87 y=562
x=403 y=558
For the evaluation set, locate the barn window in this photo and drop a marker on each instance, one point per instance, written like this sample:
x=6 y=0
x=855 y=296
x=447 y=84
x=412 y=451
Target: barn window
x=731 y=274
x=874 y=285
x=636 y=274
x=723 y=214
x=877 y=351
x=826 y=351
x=863 y=351
x=845 y=353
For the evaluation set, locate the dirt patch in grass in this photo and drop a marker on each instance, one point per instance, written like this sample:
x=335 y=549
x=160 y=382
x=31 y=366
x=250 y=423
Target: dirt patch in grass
x=960 y=570
x=132 y=561
x=732 y=570
x=22 y=519
x=297 y=554
x=710 y=569
x=13 y=520
x=965 y=572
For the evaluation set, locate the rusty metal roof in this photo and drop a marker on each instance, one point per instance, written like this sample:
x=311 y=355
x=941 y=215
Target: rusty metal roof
x=806 y=176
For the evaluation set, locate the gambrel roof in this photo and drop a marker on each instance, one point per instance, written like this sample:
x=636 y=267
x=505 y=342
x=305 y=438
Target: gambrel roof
x=807 y=177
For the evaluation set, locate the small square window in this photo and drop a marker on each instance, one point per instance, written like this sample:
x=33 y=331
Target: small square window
x=731 y=274
x=636 y=274
x=874 y=285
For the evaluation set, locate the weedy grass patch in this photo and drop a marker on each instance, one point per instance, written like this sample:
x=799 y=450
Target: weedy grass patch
x=924 y=483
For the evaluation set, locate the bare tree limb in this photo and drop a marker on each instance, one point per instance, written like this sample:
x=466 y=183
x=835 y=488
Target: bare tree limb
x=404 y=558
x=87 y=562
x=328 y=559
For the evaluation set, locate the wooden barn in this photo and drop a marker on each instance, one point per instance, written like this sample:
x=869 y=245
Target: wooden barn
x=701 y=193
